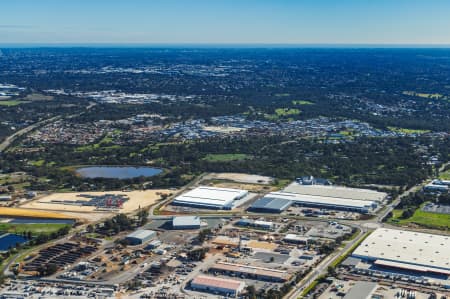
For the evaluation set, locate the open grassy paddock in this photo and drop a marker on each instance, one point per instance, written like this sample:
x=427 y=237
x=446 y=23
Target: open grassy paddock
x=10 y=103
x=225 y=157
x=34 y=228
x=425 y=219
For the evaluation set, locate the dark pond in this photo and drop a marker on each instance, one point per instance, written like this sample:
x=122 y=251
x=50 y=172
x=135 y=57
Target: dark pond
x=8 y=241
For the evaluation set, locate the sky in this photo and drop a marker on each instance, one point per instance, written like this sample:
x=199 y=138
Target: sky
x=419 y=22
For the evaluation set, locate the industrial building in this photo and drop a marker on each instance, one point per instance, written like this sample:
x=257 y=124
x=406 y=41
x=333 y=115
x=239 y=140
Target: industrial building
x=5 y=197
x=210 y=198
x=360 y=206
x=310 y=180
x=362 y=290
x=270 y=205
x=336 y=191
x=140 y=236
x=437 y=186
x=406 y=251
x=153 y=244
x=186 y=222
x=251 y=271
x=266 y=225
x=228 y=287
x=296 y=239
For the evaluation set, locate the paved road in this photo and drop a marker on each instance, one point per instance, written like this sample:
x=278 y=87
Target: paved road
x=323 y=266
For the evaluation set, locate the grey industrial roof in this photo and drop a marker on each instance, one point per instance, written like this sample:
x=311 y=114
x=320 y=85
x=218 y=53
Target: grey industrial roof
x=271 y=203
x=351 y=261
x=361 y=290
x=322 y=200
x=186 y=221
x=141 y=234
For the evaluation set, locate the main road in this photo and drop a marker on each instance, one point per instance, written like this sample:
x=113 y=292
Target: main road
x=10 y=139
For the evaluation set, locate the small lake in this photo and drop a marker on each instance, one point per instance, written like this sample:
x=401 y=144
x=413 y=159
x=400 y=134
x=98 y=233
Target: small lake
x=117 y=172
x=8 y=241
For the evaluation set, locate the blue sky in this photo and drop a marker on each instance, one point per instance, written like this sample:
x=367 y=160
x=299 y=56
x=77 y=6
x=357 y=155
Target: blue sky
x=226 y=21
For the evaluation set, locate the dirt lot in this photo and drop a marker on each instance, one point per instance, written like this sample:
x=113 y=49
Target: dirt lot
x=241 y=177
x=136 y=199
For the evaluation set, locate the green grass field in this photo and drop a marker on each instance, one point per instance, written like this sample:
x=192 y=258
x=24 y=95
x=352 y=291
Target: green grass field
x=286 y=111
x=12 y=103
x=225 y=157
x=282 y=113
x=445 y=175
x=407 y=131
x=37 y=163
x=425 y=219
x=34 y=228
x=424 y=95
x=301 y=102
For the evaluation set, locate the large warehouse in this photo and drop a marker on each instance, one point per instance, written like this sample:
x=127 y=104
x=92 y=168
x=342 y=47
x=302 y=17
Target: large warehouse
x=223 y=286
x=336 y=191
x=406 y=251
x=335 y=203
x=270 y=205
x=210 y=198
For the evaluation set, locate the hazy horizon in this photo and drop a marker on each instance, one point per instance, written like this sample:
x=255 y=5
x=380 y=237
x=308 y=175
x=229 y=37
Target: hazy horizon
x=263 y=22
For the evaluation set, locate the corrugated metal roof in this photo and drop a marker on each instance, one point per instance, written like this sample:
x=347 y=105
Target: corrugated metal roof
x=322 y=200
x=407 y=247
x=211 y=196
x=222 y=283
x=142 y=234
x=186 y=221
x=361 y=290
x=267 y=272
x=270 y=203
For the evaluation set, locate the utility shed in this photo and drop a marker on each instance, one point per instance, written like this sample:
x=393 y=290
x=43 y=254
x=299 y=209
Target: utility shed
x=362 y=290
x=186 y=222
x=140 y=236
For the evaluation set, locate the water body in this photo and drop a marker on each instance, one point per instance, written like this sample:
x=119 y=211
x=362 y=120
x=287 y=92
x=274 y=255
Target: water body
x=8 y=241
x=117 y=172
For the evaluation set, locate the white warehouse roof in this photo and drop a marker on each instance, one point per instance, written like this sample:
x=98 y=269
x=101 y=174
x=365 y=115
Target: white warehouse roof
x=411 y=249
x=186 y=221
x=335 y=191
x=141 y=234
x=324 y=200
x=211 y=197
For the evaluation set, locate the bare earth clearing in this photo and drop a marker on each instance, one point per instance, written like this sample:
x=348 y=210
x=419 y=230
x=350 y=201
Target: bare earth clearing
x=137 y=199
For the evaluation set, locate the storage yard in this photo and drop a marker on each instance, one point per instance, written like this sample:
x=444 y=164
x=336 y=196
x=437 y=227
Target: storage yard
x=94 y=206
x=351 y=289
